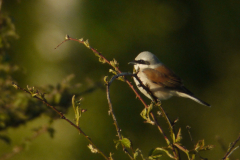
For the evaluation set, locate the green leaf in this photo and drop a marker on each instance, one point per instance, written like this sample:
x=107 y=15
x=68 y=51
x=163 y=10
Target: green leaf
x=73 y=103
x=117 y=143
x=77 y=110
x=136 y=153
x=110 y=156
x=193 y=156
x=200 y=146
x=106 y=80
x=101 y=59
x=154 y=157
x=121 y=78
x=179 y=136
x=86 y=43
x=156 y=153
x=146 y=112
x=114 y=63
x=14 y=85
x=112 y=71
x=126 y=142
x=149 y=109
x=77 y=115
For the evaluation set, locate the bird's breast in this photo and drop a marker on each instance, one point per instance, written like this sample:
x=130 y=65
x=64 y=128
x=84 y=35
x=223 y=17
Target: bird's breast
x=157 y=90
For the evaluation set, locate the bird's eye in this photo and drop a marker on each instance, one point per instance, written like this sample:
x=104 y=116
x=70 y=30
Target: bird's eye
x=142 y=62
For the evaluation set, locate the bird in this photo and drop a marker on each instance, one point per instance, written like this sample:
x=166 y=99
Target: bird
x=162 y=82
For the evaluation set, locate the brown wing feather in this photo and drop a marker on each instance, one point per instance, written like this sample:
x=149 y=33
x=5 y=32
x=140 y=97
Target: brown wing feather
x=164 y=77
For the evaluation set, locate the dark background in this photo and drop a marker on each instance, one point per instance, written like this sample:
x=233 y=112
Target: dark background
x=199 y=40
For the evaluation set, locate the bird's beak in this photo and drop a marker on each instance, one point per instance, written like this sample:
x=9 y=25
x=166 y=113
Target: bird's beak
x=132 y=63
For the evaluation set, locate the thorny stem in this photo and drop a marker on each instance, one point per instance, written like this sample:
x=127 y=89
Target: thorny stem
x=63 y=117
x=231 y=149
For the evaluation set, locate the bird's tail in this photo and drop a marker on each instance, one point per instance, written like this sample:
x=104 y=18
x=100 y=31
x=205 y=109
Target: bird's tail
x=191 y=96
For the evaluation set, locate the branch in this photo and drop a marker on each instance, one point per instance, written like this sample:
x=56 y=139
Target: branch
x=152 y=115
x=104 y=60
x=174 y=149
x=86 y=43
x=40 y=97
x=231 y=148
x=111 y=109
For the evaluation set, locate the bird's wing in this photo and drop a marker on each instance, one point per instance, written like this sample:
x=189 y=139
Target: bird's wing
x=164 y=77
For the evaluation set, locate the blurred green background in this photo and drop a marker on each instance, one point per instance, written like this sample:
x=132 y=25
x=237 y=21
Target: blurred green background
x=199 y=40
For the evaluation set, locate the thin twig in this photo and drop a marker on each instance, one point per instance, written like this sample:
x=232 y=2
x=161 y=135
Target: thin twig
x=191 y=139
x=63 y=117
x=112 y=113
x=119 y=75
x=231 y=149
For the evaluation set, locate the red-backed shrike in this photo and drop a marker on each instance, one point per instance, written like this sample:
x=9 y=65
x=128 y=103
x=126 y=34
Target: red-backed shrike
x=161 y=81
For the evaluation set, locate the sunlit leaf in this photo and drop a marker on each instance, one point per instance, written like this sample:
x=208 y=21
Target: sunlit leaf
x=117 y=142
x=101 y=59
x=144 y=114
x=200 y=146
x=126 y=142
x=105 y=79
x=112 y=71
x=157 y=153
x=179 y=136
x=114 y=63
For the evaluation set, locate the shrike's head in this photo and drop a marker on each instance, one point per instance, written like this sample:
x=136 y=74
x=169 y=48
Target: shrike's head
x=146 y=60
